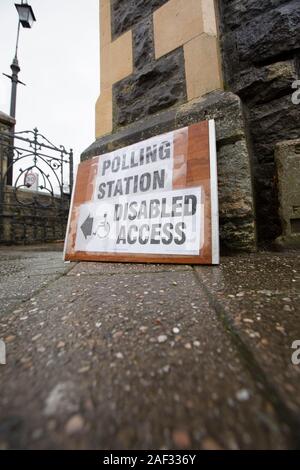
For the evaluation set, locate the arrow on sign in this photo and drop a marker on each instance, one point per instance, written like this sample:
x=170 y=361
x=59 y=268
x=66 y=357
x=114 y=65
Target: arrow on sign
x=87 y=226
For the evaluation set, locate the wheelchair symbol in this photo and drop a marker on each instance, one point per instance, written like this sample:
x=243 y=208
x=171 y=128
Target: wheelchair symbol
x=103 y=228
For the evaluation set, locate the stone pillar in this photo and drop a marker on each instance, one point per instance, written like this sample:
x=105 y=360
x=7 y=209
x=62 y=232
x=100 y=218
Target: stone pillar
x=261 y=64
x=154 y=54
x=6 y=125
x=161 y=70
x=287 y=158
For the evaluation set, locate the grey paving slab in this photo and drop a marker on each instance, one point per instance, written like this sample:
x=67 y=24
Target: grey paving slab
x=130 y=361
x=30 y=250
x=259 y=296
x=277 y=273
x=22 y=273
x=98 y=268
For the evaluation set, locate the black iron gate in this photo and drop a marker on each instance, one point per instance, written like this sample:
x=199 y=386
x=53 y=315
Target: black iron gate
x=36 y=179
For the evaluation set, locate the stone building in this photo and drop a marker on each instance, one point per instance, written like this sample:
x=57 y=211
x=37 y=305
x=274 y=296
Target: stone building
x=168 y=63
x=6 y=125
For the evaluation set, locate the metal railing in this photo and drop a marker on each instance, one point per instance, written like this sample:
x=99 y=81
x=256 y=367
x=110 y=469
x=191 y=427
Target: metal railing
x=34 y=208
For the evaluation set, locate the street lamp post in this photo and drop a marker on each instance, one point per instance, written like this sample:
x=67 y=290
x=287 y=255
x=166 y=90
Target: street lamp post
x=26 y=19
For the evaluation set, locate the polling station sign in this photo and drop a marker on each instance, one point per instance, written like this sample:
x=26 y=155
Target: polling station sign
x=153 y=201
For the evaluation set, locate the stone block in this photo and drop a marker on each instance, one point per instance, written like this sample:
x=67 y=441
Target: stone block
x=259 y=85
x=176 y=23
x=202 y=66
x=287 y=156
x=270 y=123
x=126 y=13
x=143 y=43
x=155 y=87
x=237 y=229
x=238 y=12
x=224 y=107
x=104 y=112
x=264 y=38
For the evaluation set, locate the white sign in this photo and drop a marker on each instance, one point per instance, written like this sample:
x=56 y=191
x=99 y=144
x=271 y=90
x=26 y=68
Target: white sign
x=141 y=168
x=31 y=180
x=153 y=201
x=162 y=222
x=135 y=209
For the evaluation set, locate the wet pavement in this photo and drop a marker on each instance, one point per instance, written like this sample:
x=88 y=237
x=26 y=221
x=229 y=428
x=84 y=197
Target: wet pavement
x=121 y=356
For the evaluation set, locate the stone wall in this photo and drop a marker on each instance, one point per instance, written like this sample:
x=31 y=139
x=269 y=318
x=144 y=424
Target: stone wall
x=261 y=56
x=6 y=124
x=287 y=158
x=155 y=54
x=23 y=221
x=27 y=216
x=161 y=70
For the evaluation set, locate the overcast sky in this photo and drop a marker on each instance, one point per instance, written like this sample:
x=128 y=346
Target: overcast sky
x=59 y=60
